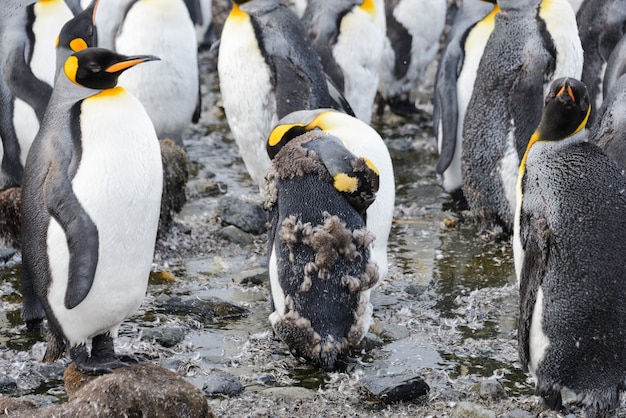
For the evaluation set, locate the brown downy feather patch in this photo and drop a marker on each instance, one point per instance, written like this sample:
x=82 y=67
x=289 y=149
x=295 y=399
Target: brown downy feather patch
x=55 y=348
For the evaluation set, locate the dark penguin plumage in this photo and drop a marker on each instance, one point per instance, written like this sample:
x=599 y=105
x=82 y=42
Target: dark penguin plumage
x=615 y=67
x=320 y=269
x=454 y=82
x=533 y=42
x=609 y=130
x=90 y=209
x=601 y=24
x=267 y=69
x=569 y=256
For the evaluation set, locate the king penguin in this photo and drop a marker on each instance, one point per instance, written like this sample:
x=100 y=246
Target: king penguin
x=91 y=200
x=569 y=258
x=361 y=140
x=348 y=36
x=609 y=129
x=532 y=43
x=320 y=269
x=267 y=69
x=601 y=24
x=454 y=83
x=170 y=92
x=410 y=45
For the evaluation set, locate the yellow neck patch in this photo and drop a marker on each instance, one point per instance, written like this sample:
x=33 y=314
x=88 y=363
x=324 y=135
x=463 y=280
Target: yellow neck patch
x=278 y=133
x=345 y=184
x=115 y=91
x=369 y=6
x=371 y=165
x=237 y=14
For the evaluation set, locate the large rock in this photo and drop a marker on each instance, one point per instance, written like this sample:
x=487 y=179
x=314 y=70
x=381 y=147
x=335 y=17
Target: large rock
x=141 y=390
x=175 y=176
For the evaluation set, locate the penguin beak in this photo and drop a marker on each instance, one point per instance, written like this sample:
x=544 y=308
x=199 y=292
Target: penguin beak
x=129 y=62
x=95 y=9
x=566 y=89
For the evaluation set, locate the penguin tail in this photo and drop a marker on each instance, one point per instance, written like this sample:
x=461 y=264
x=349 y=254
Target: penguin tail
x=329 y=353
x=55 y=348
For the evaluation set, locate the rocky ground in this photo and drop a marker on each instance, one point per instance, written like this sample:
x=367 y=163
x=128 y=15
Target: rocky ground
x=444 y=316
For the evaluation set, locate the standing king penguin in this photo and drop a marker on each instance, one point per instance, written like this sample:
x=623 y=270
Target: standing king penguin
x=454 y=83
x=267 y=69
x=348 y=36
x=533 y=42
x=91 y=199
x=361 y=140
x=569 y=252
x=320 y=269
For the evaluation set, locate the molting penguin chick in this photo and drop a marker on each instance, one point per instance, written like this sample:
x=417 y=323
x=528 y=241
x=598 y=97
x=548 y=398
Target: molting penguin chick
x=90 y=209
x=569 y=251
x=321 y=274
x=454 y=83
x=410 y=45
x=267 y=69
x=169 y=92
x=362 y=140
x=533 y=42
x=348 y=36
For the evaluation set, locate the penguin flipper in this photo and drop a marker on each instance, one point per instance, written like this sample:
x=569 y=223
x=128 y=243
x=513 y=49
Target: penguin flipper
x=339 y=102
x=446 y=104
x=535 y=237
x=82 y=240
x=25 y=85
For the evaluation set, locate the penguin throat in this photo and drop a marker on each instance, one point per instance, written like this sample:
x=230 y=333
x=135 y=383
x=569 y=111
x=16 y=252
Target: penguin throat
x=115 y=91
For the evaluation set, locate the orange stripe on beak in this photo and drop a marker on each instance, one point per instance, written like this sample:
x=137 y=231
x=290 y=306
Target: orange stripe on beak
x=120 y=66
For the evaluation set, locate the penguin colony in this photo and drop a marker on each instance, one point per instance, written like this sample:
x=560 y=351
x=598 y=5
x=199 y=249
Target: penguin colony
x=526 y=149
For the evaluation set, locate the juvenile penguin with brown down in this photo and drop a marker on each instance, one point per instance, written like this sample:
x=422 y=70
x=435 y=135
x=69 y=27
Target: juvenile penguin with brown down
x=320 y=269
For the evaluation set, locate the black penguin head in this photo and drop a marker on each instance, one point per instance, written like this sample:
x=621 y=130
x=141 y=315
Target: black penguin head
x=79 y=32
x=99 y=68
x=292 y=126
x=566 y=110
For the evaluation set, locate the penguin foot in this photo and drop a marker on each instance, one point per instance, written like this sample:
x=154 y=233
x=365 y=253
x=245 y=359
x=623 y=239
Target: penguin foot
x=131 y=358
x=552 y=399
x=403 y=107
x=94 y=365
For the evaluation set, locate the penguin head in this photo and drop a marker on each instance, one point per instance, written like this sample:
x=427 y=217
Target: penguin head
x=100 y=68
x=299 y=122
x=566 y=110
x=79 y=32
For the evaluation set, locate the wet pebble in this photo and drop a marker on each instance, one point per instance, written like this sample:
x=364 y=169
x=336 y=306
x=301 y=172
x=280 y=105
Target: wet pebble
x=220 y=383
x=205 y=310
x=253 y=277
x=395 y=387
x=167 y=337
x=247 y=216
x=6 y=254
x=490 y=389
x=471 y=410
x=236 y=235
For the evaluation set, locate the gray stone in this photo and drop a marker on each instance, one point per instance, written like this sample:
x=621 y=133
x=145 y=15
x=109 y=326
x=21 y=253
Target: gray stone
x=175 y=176
x=471 y=410
x=205 y=187
x=222 y=383
x=491 y=389
x=204 y=310
x=7 y=384
x=140 y=390
x=236 y=235
x=247 y=216
x=253 y=277
x=395 y=387
x=167 y=337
